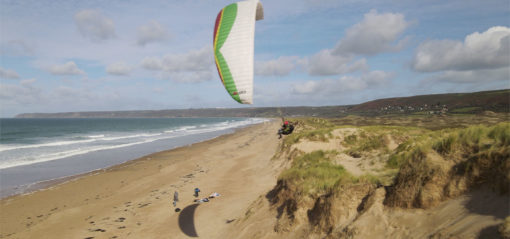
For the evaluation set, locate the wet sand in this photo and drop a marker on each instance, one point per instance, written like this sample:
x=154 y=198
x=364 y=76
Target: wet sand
x=134 y=199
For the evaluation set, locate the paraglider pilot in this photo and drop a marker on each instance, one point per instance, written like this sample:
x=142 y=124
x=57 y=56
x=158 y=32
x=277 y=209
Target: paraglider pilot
x=285 y=129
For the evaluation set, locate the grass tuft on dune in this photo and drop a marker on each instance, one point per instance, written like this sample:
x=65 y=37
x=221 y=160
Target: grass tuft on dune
x=447 y=163
x=314 y=173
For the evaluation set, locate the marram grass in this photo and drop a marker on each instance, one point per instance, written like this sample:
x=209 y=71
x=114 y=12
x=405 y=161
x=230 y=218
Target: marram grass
x=453 y=143
x=314 y=173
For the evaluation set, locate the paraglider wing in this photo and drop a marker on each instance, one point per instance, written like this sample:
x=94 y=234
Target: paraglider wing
x=234 y=34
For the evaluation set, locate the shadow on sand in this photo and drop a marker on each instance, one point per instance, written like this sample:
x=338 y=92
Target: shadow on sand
x=187 y=220
x=487 y=202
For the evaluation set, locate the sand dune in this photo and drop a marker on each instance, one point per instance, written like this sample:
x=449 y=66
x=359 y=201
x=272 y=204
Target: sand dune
x=358 y=210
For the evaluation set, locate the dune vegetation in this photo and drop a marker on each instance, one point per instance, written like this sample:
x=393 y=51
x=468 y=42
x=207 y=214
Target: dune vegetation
x=447 y=163
x=419 y=161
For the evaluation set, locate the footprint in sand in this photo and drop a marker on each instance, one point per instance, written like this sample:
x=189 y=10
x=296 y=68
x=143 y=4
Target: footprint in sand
x=97 y=230
x=154 y=192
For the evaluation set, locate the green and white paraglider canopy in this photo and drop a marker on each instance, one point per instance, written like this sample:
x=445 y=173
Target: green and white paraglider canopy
x=234 y=34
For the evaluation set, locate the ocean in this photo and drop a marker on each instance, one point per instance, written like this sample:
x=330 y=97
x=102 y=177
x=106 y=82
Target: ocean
x=33 y=151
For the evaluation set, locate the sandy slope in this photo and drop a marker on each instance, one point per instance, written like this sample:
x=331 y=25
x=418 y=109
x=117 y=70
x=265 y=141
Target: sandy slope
x=134 y=200
x=476 y=214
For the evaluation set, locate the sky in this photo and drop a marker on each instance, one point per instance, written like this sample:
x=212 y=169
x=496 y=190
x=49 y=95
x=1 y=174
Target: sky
x=70 y=56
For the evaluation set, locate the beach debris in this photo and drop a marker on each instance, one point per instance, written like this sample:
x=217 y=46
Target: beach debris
x=196 y=192
x=201 y=200
x=214 y=195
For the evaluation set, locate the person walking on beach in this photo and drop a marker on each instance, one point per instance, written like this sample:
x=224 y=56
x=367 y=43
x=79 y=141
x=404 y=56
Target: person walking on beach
x=196 y=192
x=176 y=198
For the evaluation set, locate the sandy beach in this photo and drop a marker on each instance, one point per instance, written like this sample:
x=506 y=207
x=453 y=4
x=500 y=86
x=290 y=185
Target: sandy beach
x=134 y=199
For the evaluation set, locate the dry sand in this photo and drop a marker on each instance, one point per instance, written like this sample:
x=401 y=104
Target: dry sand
x=134 y=200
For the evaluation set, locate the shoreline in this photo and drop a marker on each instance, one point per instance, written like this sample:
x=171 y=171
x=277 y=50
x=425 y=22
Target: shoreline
x=48 y=184
x=133 y=199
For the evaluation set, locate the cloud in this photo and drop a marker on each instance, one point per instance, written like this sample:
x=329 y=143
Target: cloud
x=374 y=34
x=325 y=87
x=195 y=60
x=486 y=50
x=8 y=74
x=119 y=68
x=16 y=48
x=193 y=66
x=322 y=3
x=65 y=93
x=152 y=32
x=188 y=76
x=278 y=67
x=152 y=63
x=23 y=93
x=476 y=76
x=324 y=63
x=69 y=68
x=93 y=25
